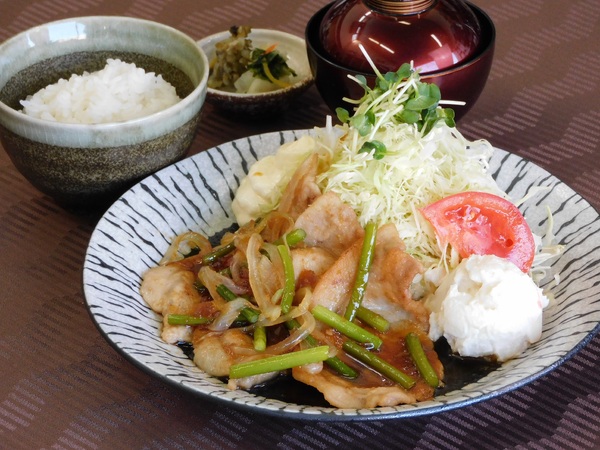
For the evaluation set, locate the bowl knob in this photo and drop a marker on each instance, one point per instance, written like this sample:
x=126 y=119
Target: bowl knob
x=433 y=34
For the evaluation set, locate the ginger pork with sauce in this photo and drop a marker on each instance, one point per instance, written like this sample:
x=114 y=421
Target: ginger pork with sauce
x=325 y=265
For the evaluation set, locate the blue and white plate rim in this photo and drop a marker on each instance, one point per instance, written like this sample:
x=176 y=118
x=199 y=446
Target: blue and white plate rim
x=196 y=193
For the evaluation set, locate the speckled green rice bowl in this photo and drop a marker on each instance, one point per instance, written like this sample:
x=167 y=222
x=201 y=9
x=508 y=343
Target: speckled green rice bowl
x=79 y=164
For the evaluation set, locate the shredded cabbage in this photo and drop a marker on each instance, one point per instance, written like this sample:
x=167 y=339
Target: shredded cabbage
x=416 y=169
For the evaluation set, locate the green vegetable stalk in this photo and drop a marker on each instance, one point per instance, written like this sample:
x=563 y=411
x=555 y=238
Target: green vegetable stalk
x=211 y=257
x=372 y=319
x=279 y=362
x=420 y=358
x=289 y=287
x=380 y=365
x=249 y=314
x=334 y=362
x=183 y=319
x=362 y=273
x=346 y=327
x=260 y=338
x=292 y=238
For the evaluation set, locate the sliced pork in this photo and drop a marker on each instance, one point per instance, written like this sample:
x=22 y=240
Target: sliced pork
x=170 y=290
x=330 y=224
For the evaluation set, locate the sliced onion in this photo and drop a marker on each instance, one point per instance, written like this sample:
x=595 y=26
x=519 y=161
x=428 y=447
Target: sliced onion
x=265 y=277
x=313 y=368
x=210 y=279
x=183 y=244
x=296 y=336
x=326 y=339
x=274 y=225
x=228 y=314
x=305 y=303
x=271 y=227
x=239 y=268
x=295 y=312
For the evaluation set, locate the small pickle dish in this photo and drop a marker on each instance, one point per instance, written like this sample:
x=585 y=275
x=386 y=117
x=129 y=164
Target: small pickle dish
x=260 y=102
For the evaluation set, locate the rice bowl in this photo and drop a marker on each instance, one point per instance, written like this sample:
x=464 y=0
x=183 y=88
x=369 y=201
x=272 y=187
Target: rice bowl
x=91 y=164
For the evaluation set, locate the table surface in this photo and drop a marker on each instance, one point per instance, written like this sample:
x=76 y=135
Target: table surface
x=64 y=386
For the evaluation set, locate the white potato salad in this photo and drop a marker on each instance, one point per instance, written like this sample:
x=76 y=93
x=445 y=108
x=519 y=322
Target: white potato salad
x=359 y=247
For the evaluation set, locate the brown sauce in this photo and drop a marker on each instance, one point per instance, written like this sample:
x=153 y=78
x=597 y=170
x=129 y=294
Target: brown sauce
x=458 y=372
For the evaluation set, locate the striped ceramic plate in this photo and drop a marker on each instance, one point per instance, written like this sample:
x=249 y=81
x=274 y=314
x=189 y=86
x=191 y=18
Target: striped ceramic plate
x=196 y=193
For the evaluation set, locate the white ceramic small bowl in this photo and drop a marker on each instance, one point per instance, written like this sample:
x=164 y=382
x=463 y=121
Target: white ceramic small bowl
x=269 y=102
x=89 y=165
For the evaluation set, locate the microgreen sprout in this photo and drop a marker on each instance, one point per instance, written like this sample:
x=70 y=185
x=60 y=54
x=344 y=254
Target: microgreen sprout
x=399 y=97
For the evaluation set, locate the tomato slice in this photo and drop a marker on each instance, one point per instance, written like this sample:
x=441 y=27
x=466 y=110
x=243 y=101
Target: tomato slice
x=482 y=224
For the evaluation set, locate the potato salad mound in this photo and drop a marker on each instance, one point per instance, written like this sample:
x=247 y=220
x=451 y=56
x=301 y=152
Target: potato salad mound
x=487 y=307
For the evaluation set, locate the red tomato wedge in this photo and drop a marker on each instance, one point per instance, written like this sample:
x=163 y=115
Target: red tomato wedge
x=482 y=224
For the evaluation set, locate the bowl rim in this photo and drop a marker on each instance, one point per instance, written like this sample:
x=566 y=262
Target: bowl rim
x=297 y=40
x=484 y=49
x=153 y=118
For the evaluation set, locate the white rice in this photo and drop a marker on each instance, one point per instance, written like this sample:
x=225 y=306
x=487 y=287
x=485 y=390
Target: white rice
x=121 y=91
